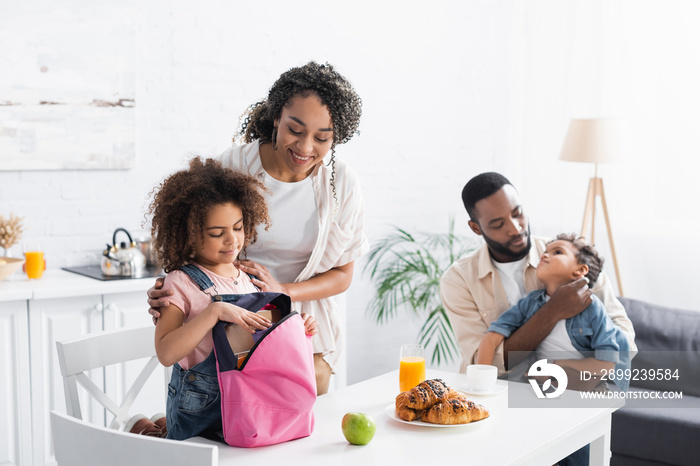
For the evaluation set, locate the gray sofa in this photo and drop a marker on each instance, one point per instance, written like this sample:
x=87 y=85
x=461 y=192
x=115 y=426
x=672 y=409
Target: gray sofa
x=653 y=436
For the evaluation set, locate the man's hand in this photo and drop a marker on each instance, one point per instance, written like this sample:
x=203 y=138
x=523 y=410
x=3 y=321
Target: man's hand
x=567 y=301
x=571 y=299
x=157 y=298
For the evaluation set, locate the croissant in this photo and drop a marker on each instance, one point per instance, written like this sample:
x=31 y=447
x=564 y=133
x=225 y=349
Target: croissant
x=455 y=395
x=426 y=394
x=403 y=411
x=454 y=411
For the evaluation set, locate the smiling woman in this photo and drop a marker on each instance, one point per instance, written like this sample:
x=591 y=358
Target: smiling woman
x=303 y=134
x=316 y=209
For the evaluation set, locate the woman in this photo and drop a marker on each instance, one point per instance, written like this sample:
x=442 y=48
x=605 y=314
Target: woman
x=316 y=209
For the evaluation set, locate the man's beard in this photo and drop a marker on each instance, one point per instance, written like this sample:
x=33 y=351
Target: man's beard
x=505 y=250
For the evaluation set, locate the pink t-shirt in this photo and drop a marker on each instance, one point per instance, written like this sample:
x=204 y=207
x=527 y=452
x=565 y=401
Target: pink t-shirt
x=191 y=300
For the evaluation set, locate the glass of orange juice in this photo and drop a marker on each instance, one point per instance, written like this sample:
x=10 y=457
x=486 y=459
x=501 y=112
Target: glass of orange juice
x=34 y=263
x=411 y=366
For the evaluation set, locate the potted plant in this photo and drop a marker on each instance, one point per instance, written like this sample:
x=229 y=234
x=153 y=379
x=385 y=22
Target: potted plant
x=10 y=232
x=406 y=269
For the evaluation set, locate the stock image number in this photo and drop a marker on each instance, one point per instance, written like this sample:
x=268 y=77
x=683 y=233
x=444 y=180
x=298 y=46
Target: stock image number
x=640 y=374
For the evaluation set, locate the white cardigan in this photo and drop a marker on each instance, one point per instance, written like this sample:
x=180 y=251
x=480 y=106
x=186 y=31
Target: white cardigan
x=341 y=237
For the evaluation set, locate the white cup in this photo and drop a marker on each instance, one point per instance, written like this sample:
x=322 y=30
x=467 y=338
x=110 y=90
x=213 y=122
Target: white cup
x=482 y=377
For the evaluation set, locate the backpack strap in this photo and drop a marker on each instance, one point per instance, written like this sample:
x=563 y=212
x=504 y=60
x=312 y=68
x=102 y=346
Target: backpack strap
x=202 y=279
x=253 y=302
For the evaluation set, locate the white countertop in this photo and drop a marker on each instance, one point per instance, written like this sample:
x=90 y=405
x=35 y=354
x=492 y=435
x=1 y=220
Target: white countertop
x=59 y=283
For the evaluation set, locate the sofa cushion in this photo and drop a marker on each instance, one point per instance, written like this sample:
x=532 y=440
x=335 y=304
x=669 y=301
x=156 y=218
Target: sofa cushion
x=667 y=339
x=663 y=435
x=660 y=328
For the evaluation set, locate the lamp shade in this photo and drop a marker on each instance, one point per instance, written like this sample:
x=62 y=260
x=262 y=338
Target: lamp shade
x=593 y=140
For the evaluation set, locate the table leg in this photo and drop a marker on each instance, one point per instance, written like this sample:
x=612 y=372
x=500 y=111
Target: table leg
x=600 y=447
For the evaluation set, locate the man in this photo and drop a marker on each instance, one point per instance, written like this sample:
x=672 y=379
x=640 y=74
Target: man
x=476 y=289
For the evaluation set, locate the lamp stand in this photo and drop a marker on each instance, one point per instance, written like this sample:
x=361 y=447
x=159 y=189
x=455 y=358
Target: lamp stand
x=595 y=189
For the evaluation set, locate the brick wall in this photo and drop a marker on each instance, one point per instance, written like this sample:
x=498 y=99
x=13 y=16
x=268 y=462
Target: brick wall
x=447 y=92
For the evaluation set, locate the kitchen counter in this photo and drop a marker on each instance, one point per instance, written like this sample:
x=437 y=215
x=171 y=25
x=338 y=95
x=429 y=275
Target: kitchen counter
x=34 y=314
x=58 y=283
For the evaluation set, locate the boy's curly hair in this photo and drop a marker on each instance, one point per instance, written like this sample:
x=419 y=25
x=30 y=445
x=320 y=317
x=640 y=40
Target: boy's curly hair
x=181 y=203
x=585 y=254
x=335 y=92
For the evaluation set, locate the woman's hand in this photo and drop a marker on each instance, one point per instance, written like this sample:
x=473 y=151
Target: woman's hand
x=250 y=321
x=265 y=281
x=157 y=298
x=310 y=324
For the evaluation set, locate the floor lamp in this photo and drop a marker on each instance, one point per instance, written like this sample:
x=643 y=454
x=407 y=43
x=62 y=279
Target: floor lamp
x=597 y=140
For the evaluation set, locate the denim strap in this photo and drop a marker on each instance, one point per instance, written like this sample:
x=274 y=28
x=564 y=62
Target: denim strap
x=198 y=276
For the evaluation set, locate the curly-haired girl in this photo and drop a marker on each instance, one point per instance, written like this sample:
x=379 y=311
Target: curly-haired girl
x=317 y=211
x=203 y=217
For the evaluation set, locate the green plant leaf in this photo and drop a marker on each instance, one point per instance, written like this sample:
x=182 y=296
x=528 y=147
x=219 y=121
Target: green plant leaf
x=405 y=269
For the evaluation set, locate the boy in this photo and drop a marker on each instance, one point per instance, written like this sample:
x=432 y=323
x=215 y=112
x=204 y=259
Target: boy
x=565 y=259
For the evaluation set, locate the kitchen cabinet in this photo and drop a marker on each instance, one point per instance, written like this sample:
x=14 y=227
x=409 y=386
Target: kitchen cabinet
x=15 y=409
x=51 y=320
x=61 y=306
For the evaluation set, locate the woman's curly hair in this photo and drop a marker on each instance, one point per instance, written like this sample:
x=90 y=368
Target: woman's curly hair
x=335 y=92
x=181 y=203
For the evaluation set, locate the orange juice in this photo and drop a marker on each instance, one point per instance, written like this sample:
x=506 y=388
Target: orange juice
x=411 y=372
x=34 y=264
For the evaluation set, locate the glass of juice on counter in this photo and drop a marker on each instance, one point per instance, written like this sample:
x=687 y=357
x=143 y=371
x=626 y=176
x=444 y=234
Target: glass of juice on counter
x=34 y=263
x=411 y=366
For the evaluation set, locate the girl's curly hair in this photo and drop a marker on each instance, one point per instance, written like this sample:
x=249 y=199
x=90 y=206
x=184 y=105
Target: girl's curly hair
x=181 y=203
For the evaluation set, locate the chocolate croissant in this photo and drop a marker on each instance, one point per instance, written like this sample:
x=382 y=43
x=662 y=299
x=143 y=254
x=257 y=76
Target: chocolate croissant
x=454 y=411
x=426 y=394
x=403 y=411
x=455 y=395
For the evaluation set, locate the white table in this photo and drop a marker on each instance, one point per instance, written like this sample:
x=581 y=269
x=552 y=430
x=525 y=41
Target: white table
x=524 y=436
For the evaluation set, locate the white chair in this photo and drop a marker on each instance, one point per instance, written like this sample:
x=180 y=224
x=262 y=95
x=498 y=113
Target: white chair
x=99 y=350
x=79 y=443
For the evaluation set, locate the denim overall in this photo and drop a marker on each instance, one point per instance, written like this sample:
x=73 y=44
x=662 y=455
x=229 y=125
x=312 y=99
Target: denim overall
x=194 y=405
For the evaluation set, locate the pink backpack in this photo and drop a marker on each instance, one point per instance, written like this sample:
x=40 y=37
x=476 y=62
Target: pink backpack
x=268 y=399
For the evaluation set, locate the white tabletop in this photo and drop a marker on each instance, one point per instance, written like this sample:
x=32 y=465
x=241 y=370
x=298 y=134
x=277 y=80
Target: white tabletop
x=509 y=436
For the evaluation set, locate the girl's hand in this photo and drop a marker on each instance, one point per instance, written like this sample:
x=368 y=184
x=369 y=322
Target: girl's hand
x=310 y=324
x=244 y=318
x=265 y=281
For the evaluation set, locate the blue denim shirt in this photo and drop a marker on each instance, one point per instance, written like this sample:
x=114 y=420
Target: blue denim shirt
x=590 y=330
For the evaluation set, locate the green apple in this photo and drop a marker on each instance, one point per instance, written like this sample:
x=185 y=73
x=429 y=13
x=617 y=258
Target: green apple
x=358 y=428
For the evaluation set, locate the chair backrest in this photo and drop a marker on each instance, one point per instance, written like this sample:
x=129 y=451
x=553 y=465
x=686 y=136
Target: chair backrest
x=79 y=443
x=98 y=350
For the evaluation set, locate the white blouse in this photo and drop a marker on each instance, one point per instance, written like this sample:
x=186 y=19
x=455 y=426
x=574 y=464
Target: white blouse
x=286 y=250
x=341 y=238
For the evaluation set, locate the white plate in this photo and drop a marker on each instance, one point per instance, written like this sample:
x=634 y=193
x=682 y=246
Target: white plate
x=501 y=386
x=390 y=411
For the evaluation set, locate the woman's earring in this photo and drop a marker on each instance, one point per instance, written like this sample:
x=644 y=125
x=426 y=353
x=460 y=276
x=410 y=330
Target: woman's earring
x=274 y=138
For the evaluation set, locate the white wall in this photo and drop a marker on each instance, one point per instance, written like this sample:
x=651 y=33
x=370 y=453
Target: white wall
x=450 y=89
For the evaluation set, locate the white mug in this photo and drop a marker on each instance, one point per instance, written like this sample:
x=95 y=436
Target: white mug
x=482 y=377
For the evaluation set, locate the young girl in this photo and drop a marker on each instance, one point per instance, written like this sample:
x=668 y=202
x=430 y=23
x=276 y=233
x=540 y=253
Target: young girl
x=203 y=217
